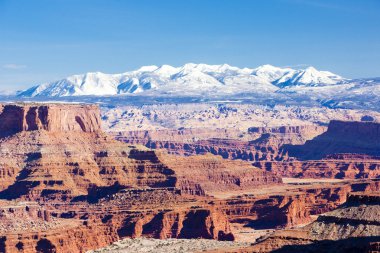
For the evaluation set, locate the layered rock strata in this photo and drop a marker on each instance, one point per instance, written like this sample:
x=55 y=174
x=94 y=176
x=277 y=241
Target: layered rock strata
x=58 y=155
x=340 y=137
x=353 y=227
x=93 y=190
x=291 y=204
x=326 y=168
x=207 y=174
x=258 y=144
x=346 y=150
x=15 y=118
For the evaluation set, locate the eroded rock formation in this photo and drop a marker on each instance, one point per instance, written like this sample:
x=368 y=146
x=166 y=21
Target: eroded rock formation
x=92 y=190
x=208 y=174
x=341 y=137
x=58 y=155
x=325 y=168
x=346 y=150
x=258 y=144
x=353 y=227
x=15 y=118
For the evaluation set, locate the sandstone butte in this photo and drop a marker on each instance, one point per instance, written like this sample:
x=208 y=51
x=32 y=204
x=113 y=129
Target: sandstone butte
x=66 y=186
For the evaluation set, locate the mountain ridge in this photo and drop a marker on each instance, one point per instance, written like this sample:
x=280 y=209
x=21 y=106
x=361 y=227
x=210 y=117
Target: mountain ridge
x=266 y=84
x=192 y=77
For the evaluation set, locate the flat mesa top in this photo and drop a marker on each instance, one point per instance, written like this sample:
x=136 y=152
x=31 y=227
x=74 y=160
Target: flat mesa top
x=18 y=117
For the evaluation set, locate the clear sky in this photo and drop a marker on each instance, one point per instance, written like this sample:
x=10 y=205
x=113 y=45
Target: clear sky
x=44 y=40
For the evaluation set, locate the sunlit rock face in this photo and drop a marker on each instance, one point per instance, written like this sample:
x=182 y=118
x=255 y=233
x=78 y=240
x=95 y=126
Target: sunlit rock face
x=15 y=118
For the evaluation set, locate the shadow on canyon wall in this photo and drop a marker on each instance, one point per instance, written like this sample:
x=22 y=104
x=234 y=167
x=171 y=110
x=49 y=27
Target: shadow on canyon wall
x=350 y=245
x=341 y=137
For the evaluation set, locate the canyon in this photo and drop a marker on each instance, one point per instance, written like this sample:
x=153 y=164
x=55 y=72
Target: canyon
x=71 y=184
x=352 y=227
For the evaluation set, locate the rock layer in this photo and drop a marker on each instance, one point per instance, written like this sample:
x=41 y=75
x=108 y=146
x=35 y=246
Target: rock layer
x=207 y=174
x=353 y=227
x=58 y=155
x=326 y=168
x=259 y=144
x=54 y=118
x=93 y=190
x=341 y=137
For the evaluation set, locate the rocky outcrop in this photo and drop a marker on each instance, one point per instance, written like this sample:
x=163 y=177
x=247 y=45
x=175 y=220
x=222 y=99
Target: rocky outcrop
x=306 y=131
x=340 y=137
x=326 y=168
x=265 y=148
x=44 y=165
x=59 y=157
x=353 y=227
x=358 y=217
x=273 y=211
x=208 y=174
x=71 y=239
x=346 y=150
x=66 y=155
x=15 y=118
x=93 y=230
x=29 y=227
x=227 y=148
x=291 y=205
x=29 y=216
x=193 y=223
x=261 y=143
x=93 y=190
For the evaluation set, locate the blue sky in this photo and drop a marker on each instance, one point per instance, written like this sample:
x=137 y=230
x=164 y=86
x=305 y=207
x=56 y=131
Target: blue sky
x=44 y=40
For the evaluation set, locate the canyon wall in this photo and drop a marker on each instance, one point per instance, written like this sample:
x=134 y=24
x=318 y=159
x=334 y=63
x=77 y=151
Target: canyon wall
x=53 y=117
x=306 y=130
x=208 y=174
x=325 y=168
x=58 y=155
x=259 y=144
x=340 y=137
x=352 y=227
x=347 y=150
x=93 y=190
x=59 y=152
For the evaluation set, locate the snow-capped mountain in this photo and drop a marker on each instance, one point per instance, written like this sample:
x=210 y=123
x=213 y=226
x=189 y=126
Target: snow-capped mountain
x=266 y=84
x=271 y=73
x=308 y=77
x=189 y=79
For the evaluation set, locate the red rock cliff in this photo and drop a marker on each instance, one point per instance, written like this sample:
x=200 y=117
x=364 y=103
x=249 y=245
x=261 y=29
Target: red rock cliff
x=54 y=118
x=341 y=137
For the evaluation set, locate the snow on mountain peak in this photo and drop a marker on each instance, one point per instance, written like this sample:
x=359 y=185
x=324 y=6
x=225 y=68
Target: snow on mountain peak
x=267 y=67
x=192 y=78
x=147 y=68
x=308 y=77
x=270 y=73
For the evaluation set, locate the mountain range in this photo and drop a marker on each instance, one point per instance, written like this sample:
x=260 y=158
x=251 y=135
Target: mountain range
x=209 y=81
x=190 y=77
